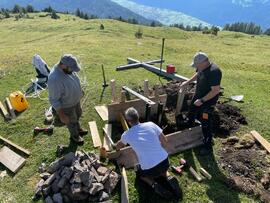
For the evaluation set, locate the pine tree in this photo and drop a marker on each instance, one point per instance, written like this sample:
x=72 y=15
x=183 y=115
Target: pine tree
x=16 y=9
x=30 y=9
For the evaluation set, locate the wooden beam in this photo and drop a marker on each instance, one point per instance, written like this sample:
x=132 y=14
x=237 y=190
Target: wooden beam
x=115 y=109
x=102 y=112
x=261 y=140
x=107 y=144
x=4 y=111
x=15 y=146
x=177 y=142
x=123 y=122
x=10 y=108
x=180 y=100
x=124 y=187
x=113 y=90
x=205 y=173
x=195 y=174
x=11 y=160
x=94 y=133
x=157 y=71
x=136 y=94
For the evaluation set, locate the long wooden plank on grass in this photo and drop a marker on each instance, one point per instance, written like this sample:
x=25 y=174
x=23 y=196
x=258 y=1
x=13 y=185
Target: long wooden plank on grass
x=4 y=111
x=11 y=160
x=261 y=140
x=94 y=133
x=102 y=112
x=124 y=187
x=177 y=142
x=10 y=108
x=15 y=146
x=106 y=142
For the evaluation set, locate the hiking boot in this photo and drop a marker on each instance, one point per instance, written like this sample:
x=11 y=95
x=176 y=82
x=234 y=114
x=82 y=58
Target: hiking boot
x=161 y=191
x=83 y=132
x=77 y=139
x=174 y=185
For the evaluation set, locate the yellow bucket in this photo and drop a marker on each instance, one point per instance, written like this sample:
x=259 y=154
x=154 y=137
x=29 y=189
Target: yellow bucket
x=18 y=101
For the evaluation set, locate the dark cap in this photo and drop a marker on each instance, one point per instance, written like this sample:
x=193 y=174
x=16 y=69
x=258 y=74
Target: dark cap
x=71 y=61
x=198 y=58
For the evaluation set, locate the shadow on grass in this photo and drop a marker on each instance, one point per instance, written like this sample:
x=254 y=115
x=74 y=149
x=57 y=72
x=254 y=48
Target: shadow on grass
x=217 y=190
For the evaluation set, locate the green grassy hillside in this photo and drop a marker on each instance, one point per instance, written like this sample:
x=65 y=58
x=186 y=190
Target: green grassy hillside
x=243 y=59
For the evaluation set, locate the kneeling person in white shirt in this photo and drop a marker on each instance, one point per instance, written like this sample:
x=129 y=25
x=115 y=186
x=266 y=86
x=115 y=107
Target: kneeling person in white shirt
x=148 y=141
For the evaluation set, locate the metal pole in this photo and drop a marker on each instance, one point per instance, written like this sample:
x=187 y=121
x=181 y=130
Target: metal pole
x=104 y=79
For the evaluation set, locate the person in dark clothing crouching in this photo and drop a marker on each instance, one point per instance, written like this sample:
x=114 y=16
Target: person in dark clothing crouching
x=148 y=141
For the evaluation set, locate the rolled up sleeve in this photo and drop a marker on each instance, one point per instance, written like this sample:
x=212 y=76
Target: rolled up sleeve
x=55 y=94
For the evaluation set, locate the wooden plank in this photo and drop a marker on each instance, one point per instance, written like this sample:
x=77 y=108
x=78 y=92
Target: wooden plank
x=15 y=146
x=10 y=108
x=106 y=142
x=177 y=142
x=195 y=174
x=94 y=133
x=123 y=122
x=115 y=109
x=11 y=160
x=102 y=112
x=124 y=187
x=4 y=111
x=180 y=100
x=136 y=94
x=261 y=140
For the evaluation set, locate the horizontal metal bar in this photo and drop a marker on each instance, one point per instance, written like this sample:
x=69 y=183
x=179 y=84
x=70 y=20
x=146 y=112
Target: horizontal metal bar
x=145 y=99
x=129 y=66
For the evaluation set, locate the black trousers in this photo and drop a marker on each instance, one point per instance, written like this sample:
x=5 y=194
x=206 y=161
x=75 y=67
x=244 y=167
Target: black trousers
x=204 y=114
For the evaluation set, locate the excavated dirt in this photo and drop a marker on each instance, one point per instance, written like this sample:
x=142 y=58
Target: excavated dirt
x=247 y=165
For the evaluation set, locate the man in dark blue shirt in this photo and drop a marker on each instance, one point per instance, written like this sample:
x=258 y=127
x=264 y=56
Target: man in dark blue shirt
x=208 y=77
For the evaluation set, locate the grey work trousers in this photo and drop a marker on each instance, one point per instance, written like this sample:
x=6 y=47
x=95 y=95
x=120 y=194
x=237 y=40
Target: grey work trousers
x=73 y=113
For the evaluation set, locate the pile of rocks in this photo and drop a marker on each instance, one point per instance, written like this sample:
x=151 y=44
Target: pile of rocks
x=76 y=177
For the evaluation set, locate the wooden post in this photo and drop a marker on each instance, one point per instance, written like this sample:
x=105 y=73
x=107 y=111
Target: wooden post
x=146 y=88
x=124 y=187
x=113 y=89
x=160 y=113
x=10 y=108
x=4 y=111
x=123 y=96
x=156 y=92
x=147 y=112
x=180 y=100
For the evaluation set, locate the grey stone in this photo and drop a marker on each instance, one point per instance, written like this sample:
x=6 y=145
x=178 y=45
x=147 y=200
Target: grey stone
x=46 y=191
x=57 y=198
x=111 y=182
x=86 y=178
x=62 y=182
x=50 y=180
x=42 y=168
x=45 y=175
x=103 y=196
x=48 y=200
x=54 y=185
x=102 y=170
x=38 y=188
x=68 y=159
x=54 y=166
x=95 y=188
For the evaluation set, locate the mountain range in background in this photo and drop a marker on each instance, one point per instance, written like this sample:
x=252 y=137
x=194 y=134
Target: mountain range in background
x=111 y=8
x=219 y=12
x=165 y=16
x=191 y=12
x=100 y=8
